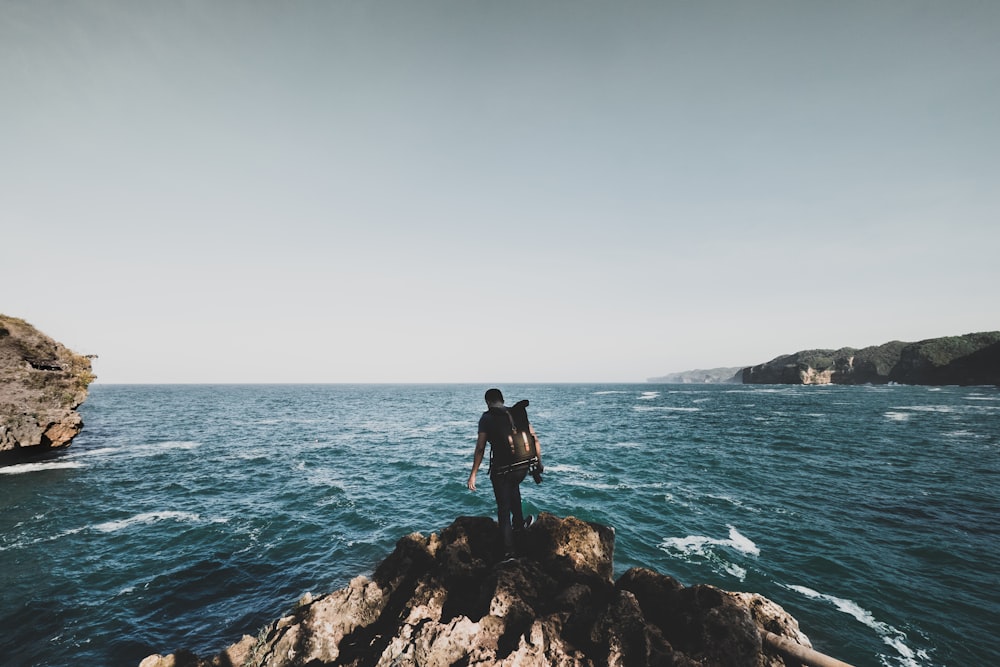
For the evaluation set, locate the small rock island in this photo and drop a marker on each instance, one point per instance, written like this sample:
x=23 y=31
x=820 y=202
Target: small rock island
x=448 y=599
x=42 y=383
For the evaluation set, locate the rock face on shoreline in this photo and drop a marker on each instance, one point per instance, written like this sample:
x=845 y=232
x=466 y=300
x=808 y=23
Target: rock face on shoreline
x=972 y=359
x=447 y=600
x=41 y=385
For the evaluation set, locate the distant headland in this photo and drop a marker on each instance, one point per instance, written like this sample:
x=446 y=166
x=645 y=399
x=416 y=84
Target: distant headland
x=971 y=359
x=42 y=383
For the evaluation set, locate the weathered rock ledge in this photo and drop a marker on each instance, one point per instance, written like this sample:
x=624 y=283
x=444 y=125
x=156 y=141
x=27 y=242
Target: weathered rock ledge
x=42 y=383
x=446 y=600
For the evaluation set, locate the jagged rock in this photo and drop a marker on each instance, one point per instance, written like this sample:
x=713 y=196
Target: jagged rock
x=448 y=600
x=41 y=385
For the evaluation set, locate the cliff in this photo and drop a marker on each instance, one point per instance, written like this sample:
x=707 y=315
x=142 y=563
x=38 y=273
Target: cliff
x=446 y=600
x=972 y=359
x=41 y=385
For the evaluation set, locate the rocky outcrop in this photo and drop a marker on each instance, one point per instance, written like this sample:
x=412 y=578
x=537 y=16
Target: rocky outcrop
x=972 y=359
x=447 y=600
x=41 y=385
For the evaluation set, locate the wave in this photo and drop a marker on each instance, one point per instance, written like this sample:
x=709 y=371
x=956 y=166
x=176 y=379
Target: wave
x=146 y=517
x=897 y=416
x=664 y=408
x=649 y=395
x=22 y=468
x=696 y=544
x=155 y=448
x=99 y=451
x=946 y=409
x=703 y=547
x=890 y=636
x=609 y=392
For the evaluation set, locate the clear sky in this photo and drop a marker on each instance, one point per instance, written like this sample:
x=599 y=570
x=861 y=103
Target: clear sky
x=475 y=191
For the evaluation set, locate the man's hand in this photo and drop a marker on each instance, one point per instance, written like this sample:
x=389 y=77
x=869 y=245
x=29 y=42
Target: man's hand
x=472 y=482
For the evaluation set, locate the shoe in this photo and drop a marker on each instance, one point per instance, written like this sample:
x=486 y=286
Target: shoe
x=509 y=557
x=528 y=520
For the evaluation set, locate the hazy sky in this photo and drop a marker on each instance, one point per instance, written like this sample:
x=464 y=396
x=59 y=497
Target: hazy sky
x=494 y=191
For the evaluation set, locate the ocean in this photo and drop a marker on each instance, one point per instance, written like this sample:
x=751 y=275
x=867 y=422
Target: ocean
x=184 y=516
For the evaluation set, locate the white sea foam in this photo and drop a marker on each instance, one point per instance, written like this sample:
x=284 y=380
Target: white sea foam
x=663 y=408
x=564 y=467
x=178 y=444
x=891 y=636
x=649 y=395
x=628 y=445
x=147 y=517
x=897 y=416
x=99 y=451
x=701 y=546
x=606 y=393
x=671 y=498
x=156 y=448
x=696 y=544
x=945 y=409
x=22 y=468
x=963 y=434
x=742 y=542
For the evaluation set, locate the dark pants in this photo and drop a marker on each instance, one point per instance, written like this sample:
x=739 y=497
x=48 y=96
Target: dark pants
x=507 y=489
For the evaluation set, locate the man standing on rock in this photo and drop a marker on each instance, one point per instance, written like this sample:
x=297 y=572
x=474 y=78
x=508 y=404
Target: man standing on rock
x=495 y=428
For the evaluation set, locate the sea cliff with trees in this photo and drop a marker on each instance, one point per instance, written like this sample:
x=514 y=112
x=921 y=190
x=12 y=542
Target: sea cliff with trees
x=967 y=360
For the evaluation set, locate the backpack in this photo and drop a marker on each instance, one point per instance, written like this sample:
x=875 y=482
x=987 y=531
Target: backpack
x=520 y=450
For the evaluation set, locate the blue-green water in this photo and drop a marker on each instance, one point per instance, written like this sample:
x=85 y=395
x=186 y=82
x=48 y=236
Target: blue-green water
x=186 y=516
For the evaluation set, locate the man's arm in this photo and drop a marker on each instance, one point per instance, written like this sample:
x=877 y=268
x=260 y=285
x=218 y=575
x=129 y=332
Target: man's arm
x=477 y=460
x=538 y=445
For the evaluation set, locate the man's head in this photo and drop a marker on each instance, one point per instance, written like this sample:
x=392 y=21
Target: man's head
x=493 y=397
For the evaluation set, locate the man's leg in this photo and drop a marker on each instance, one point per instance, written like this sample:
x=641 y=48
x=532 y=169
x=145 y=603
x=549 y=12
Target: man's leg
x=515 y=500
x=504 y=491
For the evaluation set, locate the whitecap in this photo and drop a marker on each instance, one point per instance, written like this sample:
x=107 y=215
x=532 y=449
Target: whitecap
x=735 y=570
x=21 y=468
x=889 y=635
x=155 y=448
x=946 y=409
x=664 y=408
x=742 y=542
x=606 y=393
x=100 y=451
x=698 y=544
x=178 y=444
x=584 y=483
x=564 y=467
x=897 y=416
x=147 y=517
x=649 y=395
x=701 y=547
